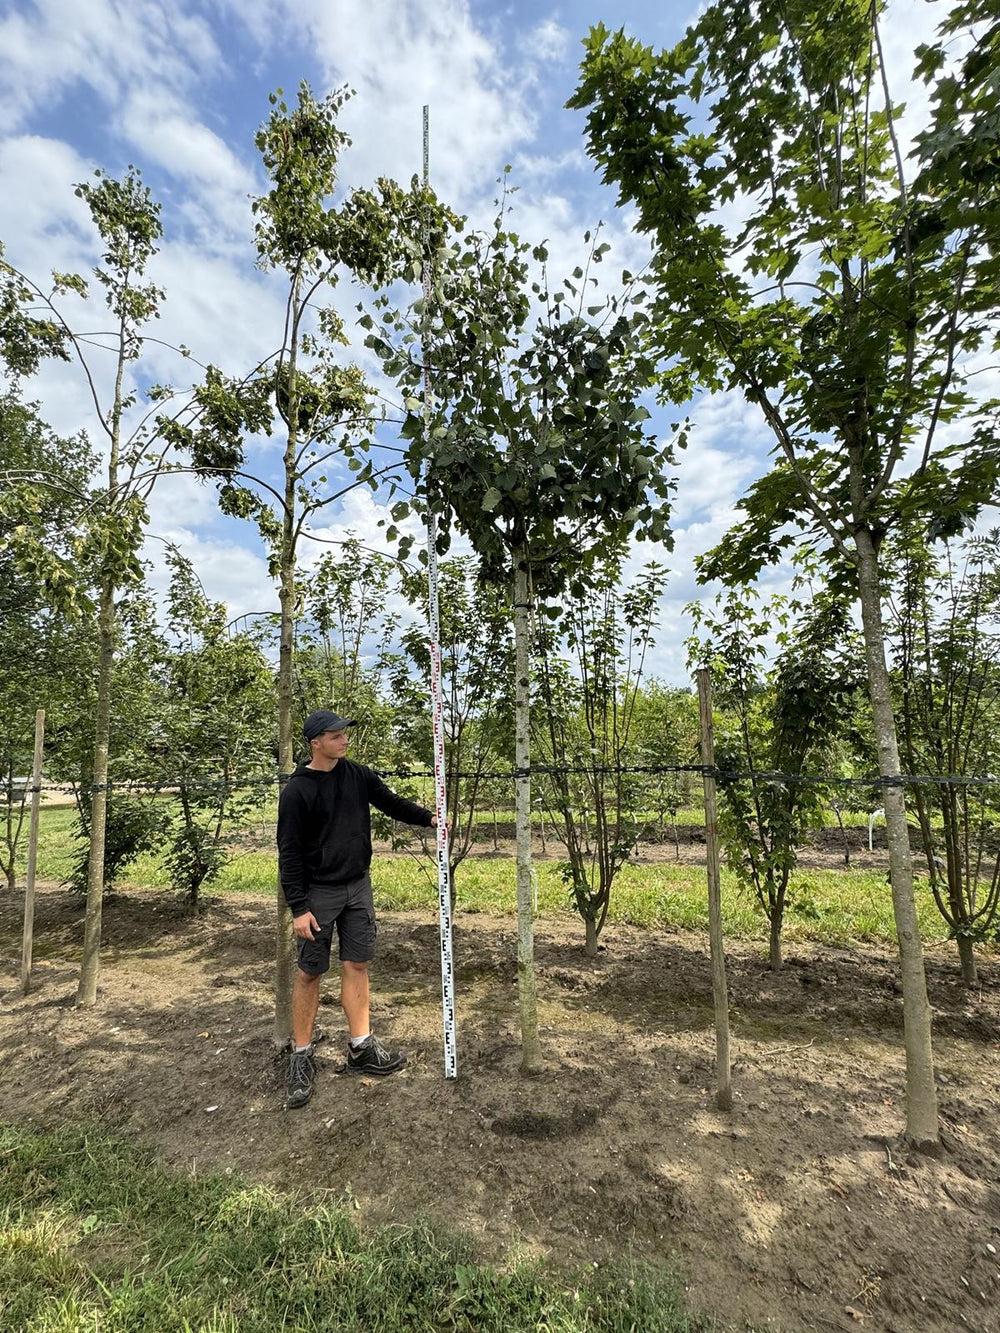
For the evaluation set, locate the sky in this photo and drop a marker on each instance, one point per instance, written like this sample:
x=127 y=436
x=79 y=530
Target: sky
x=178 y=87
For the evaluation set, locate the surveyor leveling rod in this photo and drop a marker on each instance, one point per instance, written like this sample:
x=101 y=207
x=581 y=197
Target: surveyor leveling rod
x=437 y=709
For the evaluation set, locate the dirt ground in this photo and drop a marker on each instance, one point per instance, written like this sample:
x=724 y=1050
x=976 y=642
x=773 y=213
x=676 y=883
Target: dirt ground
x=800 y=1210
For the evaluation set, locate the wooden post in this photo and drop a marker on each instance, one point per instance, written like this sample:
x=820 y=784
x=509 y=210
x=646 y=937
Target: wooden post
x=29 y=888
x=724 y=1093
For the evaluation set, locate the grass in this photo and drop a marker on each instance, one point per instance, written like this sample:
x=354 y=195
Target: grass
x=94 y=1235
x=829 y=906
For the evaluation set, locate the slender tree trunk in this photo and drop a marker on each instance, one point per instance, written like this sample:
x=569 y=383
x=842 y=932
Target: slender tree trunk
x=284 y=931
x=774 y=950
x=531 y=1052
x=90 y=964
x=921 y=1094
x=286 y=750
x=967 y=958
x=590 y=945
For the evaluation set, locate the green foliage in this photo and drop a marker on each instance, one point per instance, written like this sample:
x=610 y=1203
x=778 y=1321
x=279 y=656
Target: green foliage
x=127 y=219
x=300 y=149
x=945 y=643
x=536 y=438
x=586 y=727
x=26 y=338
x=344 y=642
x=132 y=826
x=845 y=302
x=476 y=661
x=776 y=723
x=213 y=731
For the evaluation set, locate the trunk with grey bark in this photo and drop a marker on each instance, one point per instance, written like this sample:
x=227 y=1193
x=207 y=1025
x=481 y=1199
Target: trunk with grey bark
x=284 y=931
x=90 y=963
x=531 y=1053
x=967 y=958
x=774 y=944
x=921 y=1094
x=590 y=945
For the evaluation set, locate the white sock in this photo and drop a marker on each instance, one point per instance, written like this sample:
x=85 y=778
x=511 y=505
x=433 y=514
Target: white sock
x=358 y=1042
x=301 y=1050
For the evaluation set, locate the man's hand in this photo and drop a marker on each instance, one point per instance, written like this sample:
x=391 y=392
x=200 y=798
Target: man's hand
x=306 y=926
x=434 y=824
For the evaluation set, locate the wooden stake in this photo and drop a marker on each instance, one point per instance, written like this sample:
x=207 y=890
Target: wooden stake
x=724 y=1093
x=29 y=890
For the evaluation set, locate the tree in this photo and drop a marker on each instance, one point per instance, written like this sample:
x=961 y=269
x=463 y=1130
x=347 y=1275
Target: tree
x=344 y=642
x=476 y=674
x=133 y=815
x=946 y=639
x=214 y=732
x=666 y=736
x=586 y=716
x=800 y=262
x=322 y=408
x=111 y=524
x=778 y=722
x=536 y=443
x=38 y=647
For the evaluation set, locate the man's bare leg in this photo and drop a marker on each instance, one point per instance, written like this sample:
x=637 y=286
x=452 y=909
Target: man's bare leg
x=354 y=994
x=369 y=1057
x=305 y=1003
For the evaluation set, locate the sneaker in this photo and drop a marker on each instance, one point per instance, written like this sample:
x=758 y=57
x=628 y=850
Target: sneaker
x=301 y=1076
x=373 y=1058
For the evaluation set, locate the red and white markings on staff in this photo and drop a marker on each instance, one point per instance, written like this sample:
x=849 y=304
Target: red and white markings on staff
x=441 y=810
x=437 y=710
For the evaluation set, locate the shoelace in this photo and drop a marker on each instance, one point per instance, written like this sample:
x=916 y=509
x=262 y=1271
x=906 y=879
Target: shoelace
x=382 y=1056
x=301 y=1071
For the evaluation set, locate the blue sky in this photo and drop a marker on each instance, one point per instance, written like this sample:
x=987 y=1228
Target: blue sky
x=178 y=87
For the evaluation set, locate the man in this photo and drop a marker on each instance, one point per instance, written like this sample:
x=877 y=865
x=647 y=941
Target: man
x=324 y=853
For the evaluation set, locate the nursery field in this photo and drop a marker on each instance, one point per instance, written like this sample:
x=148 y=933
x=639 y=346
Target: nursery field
x=799 y=1210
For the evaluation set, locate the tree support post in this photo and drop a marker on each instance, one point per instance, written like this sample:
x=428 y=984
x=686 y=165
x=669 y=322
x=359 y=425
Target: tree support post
x=29 y=887
x=531 y=1051
x=724 y=1086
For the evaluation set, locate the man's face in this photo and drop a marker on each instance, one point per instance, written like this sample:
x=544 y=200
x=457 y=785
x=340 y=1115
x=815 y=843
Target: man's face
x=331 y=744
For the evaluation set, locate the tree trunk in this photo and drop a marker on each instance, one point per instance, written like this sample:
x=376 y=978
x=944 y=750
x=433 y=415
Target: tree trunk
x=90 y=963
x=921 y=1094
x=284 y=933
x=590 y=946
x=775 y=942
x=967 y=958
x=531 y=1052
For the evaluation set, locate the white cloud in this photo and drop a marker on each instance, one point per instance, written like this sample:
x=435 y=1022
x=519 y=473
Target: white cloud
x=155 y=121
x=548 y=42
x=102 y=44
x=401 y=57
x=229 y=572
x=42 y=223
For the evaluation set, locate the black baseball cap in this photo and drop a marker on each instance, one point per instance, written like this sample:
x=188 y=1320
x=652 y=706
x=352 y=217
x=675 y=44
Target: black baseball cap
x=323 y=720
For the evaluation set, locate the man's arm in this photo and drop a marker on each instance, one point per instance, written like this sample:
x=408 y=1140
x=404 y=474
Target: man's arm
x=291 y=861
x=398 y=807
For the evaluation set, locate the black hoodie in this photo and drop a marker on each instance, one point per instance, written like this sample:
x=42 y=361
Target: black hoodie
x=324 y=827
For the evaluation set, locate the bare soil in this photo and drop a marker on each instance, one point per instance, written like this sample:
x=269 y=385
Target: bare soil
x=799 y=1210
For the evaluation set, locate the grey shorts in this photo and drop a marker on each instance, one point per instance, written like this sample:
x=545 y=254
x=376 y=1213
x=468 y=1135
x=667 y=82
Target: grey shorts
x=349 y=907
